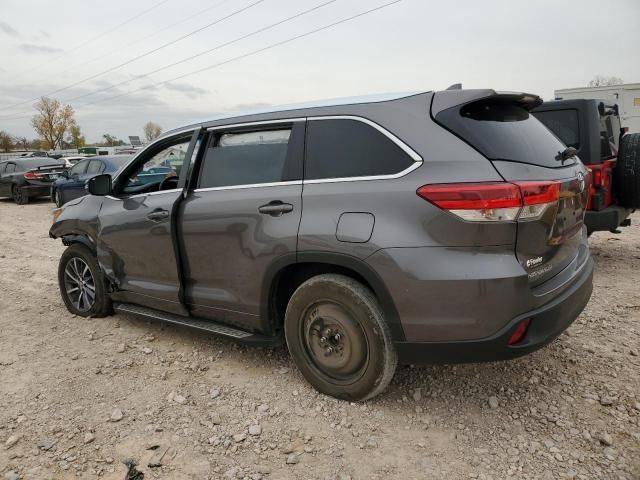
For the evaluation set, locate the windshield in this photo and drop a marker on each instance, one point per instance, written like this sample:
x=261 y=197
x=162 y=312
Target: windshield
x=503 y=130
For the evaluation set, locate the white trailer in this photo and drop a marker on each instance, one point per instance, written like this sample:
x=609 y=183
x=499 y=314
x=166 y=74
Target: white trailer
x=627 y=97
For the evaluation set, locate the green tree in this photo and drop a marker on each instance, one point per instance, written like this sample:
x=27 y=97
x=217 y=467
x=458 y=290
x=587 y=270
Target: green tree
x=52 y=121
x=76 y=137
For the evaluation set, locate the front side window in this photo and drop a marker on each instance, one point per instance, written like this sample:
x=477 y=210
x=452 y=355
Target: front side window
x=164 y=164
x=246 y=158
x=342 y=148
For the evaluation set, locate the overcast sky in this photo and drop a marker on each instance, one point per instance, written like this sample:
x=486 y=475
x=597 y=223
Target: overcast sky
x=534 y=46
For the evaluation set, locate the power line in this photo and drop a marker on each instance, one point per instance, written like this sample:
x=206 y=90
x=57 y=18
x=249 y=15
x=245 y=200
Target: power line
x=97 y=37
x=245 y=55
x=154 y=34
x=141 y=55
x=217 y=47
x=248 y=54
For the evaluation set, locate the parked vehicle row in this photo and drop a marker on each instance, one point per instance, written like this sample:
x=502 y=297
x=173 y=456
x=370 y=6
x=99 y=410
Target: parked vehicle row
x=435 y=227
x=25 y=178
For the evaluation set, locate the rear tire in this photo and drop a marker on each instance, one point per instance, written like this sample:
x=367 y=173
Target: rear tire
x=338 y=338
x=19 y=195
x=627 y=171
x=83 y=287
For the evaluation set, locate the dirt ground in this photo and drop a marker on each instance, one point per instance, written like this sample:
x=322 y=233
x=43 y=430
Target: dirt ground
x=79 y=397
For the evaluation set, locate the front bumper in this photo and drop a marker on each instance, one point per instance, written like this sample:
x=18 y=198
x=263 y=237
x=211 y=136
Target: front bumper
x=606 y=220
x=547 y=323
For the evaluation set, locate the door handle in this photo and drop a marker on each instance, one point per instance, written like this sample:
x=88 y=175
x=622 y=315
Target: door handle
x=275 y=208
x=158 y=215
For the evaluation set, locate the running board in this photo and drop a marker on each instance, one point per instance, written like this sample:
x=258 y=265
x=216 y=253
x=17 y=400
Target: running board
x=208 y=326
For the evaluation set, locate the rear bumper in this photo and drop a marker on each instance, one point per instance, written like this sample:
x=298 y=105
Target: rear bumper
x=547 y=323
x=37 y=190
x=605 y=220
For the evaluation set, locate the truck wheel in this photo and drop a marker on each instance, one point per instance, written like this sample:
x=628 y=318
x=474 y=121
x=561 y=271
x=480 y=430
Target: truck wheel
x=82 y=284
x=627 y=171
x=338 y=338
x=19 y=195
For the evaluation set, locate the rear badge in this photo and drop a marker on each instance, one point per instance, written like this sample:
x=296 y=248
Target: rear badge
x=533 y=262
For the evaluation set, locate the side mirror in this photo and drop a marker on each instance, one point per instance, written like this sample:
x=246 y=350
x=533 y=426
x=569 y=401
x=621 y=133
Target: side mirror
x=65 y=174
x=99 y=185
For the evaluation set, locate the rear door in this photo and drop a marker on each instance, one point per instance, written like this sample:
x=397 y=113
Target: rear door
x=241 y=218
x=74 y=185
x=6 y=178
x=550 y=235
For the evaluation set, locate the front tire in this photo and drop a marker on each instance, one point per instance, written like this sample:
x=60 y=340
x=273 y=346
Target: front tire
x=338 y=338
x=19 y=195
x=58 y=198
x=82 y=285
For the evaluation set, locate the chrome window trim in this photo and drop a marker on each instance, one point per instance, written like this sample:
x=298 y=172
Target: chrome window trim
x=253 y=185
x=257 y=123
x=404 y=172
x=172 y=190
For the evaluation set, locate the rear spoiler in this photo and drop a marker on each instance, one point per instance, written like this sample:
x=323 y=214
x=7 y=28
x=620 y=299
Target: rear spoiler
x=452 y=98
x=48 y=167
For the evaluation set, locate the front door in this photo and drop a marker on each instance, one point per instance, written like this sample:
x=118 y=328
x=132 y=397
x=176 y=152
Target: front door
x=137 y=249
x=241 y=217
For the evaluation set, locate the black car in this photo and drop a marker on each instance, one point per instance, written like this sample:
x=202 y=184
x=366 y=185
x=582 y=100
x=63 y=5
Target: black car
x=26 y=178
x=71 y=182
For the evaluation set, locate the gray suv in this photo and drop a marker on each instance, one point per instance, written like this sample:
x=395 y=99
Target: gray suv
x=433 y=227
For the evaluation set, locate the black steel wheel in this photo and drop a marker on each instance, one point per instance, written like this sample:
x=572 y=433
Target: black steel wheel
x=338 y=338
x=82 y=283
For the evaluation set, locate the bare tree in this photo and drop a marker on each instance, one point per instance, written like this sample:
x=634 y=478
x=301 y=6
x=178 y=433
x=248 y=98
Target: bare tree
x=6 y=141
x=52 y=121
x=23 y=142
x=152 y=131
x=602 y=81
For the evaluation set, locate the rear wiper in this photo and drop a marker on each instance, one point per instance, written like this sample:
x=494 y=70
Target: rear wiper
x=566 y=154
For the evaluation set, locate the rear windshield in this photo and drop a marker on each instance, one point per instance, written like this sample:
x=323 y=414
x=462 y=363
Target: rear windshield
x=564 y=123
x=503 y=131
x=31 y=163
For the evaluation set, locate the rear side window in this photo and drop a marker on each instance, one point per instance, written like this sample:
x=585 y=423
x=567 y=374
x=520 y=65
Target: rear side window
x=79 y=168
x=503 y=131
x=95 y=166
x=342 y=148
x=564 y=123
x=11 y=167
x=246 y=158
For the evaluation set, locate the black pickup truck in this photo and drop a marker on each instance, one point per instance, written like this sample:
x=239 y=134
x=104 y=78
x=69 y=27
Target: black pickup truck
x=611 y=154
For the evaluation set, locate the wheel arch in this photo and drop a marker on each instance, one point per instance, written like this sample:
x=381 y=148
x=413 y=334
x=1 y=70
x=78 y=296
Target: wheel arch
x=290 y=271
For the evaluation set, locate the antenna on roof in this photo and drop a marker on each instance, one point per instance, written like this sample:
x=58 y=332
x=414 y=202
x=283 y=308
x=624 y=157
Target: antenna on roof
x=455 y=86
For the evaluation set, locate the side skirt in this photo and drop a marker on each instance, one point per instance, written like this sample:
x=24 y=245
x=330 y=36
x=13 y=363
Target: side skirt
x=208 y=326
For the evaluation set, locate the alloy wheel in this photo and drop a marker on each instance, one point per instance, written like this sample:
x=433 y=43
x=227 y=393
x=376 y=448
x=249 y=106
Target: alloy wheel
x=79 y=284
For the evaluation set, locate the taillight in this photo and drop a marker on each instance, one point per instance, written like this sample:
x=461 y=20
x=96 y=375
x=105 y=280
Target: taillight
x=32 y=176
x=493 y=201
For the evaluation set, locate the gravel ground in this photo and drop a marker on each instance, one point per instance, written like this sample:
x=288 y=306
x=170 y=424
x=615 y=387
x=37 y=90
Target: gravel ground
x=80 y=397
